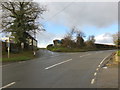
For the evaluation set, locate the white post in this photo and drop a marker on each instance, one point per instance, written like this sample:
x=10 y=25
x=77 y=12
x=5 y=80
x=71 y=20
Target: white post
x=8 y=47
x=22 y=46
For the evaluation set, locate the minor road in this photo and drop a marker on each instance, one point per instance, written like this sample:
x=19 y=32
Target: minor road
x=55 y=70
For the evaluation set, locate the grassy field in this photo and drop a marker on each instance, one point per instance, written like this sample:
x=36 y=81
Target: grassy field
x=26 y=55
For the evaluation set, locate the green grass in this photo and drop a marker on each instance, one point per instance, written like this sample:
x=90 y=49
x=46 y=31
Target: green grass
x=22 y=56
x=119 y=53
x=63 y=49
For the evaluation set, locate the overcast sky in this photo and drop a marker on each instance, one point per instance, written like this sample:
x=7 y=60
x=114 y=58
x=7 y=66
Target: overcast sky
x=93 y=18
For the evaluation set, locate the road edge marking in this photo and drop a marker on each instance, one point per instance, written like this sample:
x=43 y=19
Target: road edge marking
x=95 y=73
x=92 y=81
x=97 y=69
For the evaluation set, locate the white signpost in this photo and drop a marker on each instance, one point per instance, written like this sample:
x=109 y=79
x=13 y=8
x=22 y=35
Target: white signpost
x=8 y=47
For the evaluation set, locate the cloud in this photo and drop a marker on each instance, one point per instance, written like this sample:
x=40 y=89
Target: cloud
x=105 y=38
x=43 y=1
x=46 y=38
x=80 y=14
x=99 y=14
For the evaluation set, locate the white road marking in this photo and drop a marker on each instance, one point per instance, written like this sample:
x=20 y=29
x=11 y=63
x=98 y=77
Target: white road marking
x=95 y=74
x=85 y=55
x=105 y=67
x=8 y=85
x=99 y=66
x=93 y=80
x=58 y=64
x=97 y=69
x=102 y=61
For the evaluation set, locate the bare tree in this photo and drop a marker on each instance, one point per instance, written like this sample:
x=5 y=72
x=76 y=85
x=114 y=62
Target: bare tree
x=79 y=37
x=90 y=43
x=68 y=41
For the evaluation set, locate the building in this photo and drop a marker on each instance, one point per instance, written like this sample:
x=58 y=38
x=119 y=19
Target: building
x=30 y=44
x=57 y=42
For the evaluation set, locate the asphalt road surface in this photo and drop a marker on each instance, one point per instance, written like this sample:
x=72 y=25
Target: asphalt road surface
x=55 y=70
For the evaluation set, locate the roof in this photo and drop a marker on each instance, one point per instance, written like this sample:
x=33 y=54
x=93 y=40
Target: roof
x=30 y=36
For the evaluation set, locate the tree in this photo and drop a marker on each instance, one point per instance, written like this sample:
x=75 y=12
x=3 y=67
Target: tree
x=116 y=38
x=80 y=40
x=20 y=18
x=92 y=39
x=67 y=40
x=90 y=43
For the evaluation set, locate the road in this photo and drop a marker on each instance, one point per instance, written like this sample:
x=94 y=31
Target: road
x=55 y=70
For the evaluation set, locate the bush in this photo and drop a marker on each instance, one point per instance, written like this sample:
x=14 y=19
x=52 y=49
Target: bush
x=119 y=53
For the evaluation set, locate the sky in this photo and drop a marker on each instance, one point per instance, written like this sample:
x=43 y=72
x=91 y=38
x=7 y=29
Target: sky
x=93 y=18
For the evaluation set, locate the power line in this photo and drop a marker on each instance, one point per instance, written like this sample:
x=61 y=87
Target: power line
x=59 y=11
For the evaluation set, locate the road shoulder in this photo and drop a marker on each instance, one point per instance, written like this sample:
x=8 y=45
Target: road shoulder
x=108 y=75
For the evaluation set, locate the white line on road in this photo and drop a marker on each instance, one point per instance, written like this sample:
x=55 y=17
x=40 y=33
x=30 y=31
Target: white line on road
x=95 y=74
x=97 y=69
x=8 y=85
x=93 y=80
x=99 y=66
x=84 y=55
x=58 y=64
x=103 y=60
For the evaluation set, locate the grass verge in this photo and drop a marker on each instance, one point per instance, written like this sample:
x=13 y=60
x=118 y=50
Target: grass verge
x=22 y=56
x=64 y=49
x=119 y=53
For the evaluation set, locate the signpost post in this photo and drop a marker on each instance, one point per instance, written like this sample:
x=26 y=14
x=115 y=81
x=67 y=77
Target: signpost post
x=8 y=44
x=8 y=47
